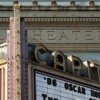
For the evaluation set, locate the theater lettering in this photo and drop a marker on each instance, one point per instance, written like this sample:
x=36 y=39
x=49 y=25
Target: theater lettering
x=63 y=36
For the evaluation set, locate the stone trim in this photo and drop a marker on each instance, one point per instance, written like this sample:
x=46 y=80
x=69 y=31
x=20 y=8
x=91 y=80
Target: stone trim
x=56 y=19
x=74 y=47
x=61 y=19
x=52 y=8
x=4 y=20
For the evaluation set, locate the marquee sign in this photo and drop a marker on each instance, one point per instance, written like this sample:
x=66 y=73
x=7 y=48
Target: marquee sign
x=52 y=87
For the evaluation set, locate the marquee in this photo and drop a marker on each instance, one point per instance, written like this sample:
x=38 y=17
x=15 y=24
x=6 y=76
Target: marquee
x=52 y=87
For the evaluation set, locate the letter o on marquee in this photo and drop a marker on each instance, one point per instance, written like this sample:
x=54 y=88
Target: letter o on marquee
x=40 y=54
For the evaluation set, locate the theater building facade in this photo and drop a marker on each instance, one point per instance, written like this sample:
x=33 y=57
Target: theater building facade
x=50 y=51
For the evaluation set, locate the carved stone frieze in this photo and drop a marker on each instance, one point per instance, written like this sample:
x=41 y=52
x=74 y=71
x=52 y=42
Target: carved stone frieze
x=56 y=19
x=53 y=3
x=35 y=4
x=92 y=3
x=61 y=19
x=72 y=4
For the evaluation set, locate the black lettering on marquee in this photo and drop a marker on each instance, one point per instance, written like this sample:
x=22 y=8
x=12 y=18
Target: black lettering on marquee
x=66 y=86
x=54 y=82
x=70 y=87
x=44 y=78
x=83 y=90
x=74 y=88
x=92 y=93
x=92 y=99
x=48 y=81
x=50 y=98
x=51 y=82
x=55 y=99
x=99 y=94
x=95 y=94
x=79 y=90
x=44 y=96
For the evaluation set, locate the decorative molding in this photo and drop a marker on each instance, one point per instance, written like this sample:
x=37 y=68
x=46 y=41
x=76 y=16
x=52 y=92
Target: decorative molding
x=56 y=19
x=72 y=4
x=35 y=4
x=53 y=3
x=54 y=7
x=4 y=20
x=62 y=19
x=74 y=47
x=91 y=3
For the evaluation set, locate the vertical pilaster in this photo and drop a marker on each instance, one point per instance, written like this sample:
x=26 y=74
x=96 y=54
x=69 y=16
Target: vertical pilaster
x=10 y=61
x=14 y=56
x=17 y=52
x=24 y=62
x=17 y=57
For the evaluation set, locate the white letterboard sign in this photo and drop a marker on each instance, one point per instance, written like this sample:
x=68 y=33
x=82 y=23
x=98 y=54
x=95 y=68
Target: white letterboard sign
x=52 y=87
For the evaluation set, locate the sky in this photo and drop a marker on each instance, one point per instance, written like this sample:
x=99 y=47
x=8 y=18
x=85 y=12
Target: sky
x=89 y=56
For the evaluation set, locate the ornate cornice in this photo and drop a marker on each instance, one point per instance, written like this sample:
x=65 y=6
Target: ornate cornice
x=72 y=6
x=4 y=19
x=51 y=8
x=56 y=19
x=62 y=19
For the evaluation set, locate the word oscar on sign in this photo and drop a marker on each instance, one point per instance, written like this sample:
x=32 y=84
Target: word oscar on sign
x=67 y=86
